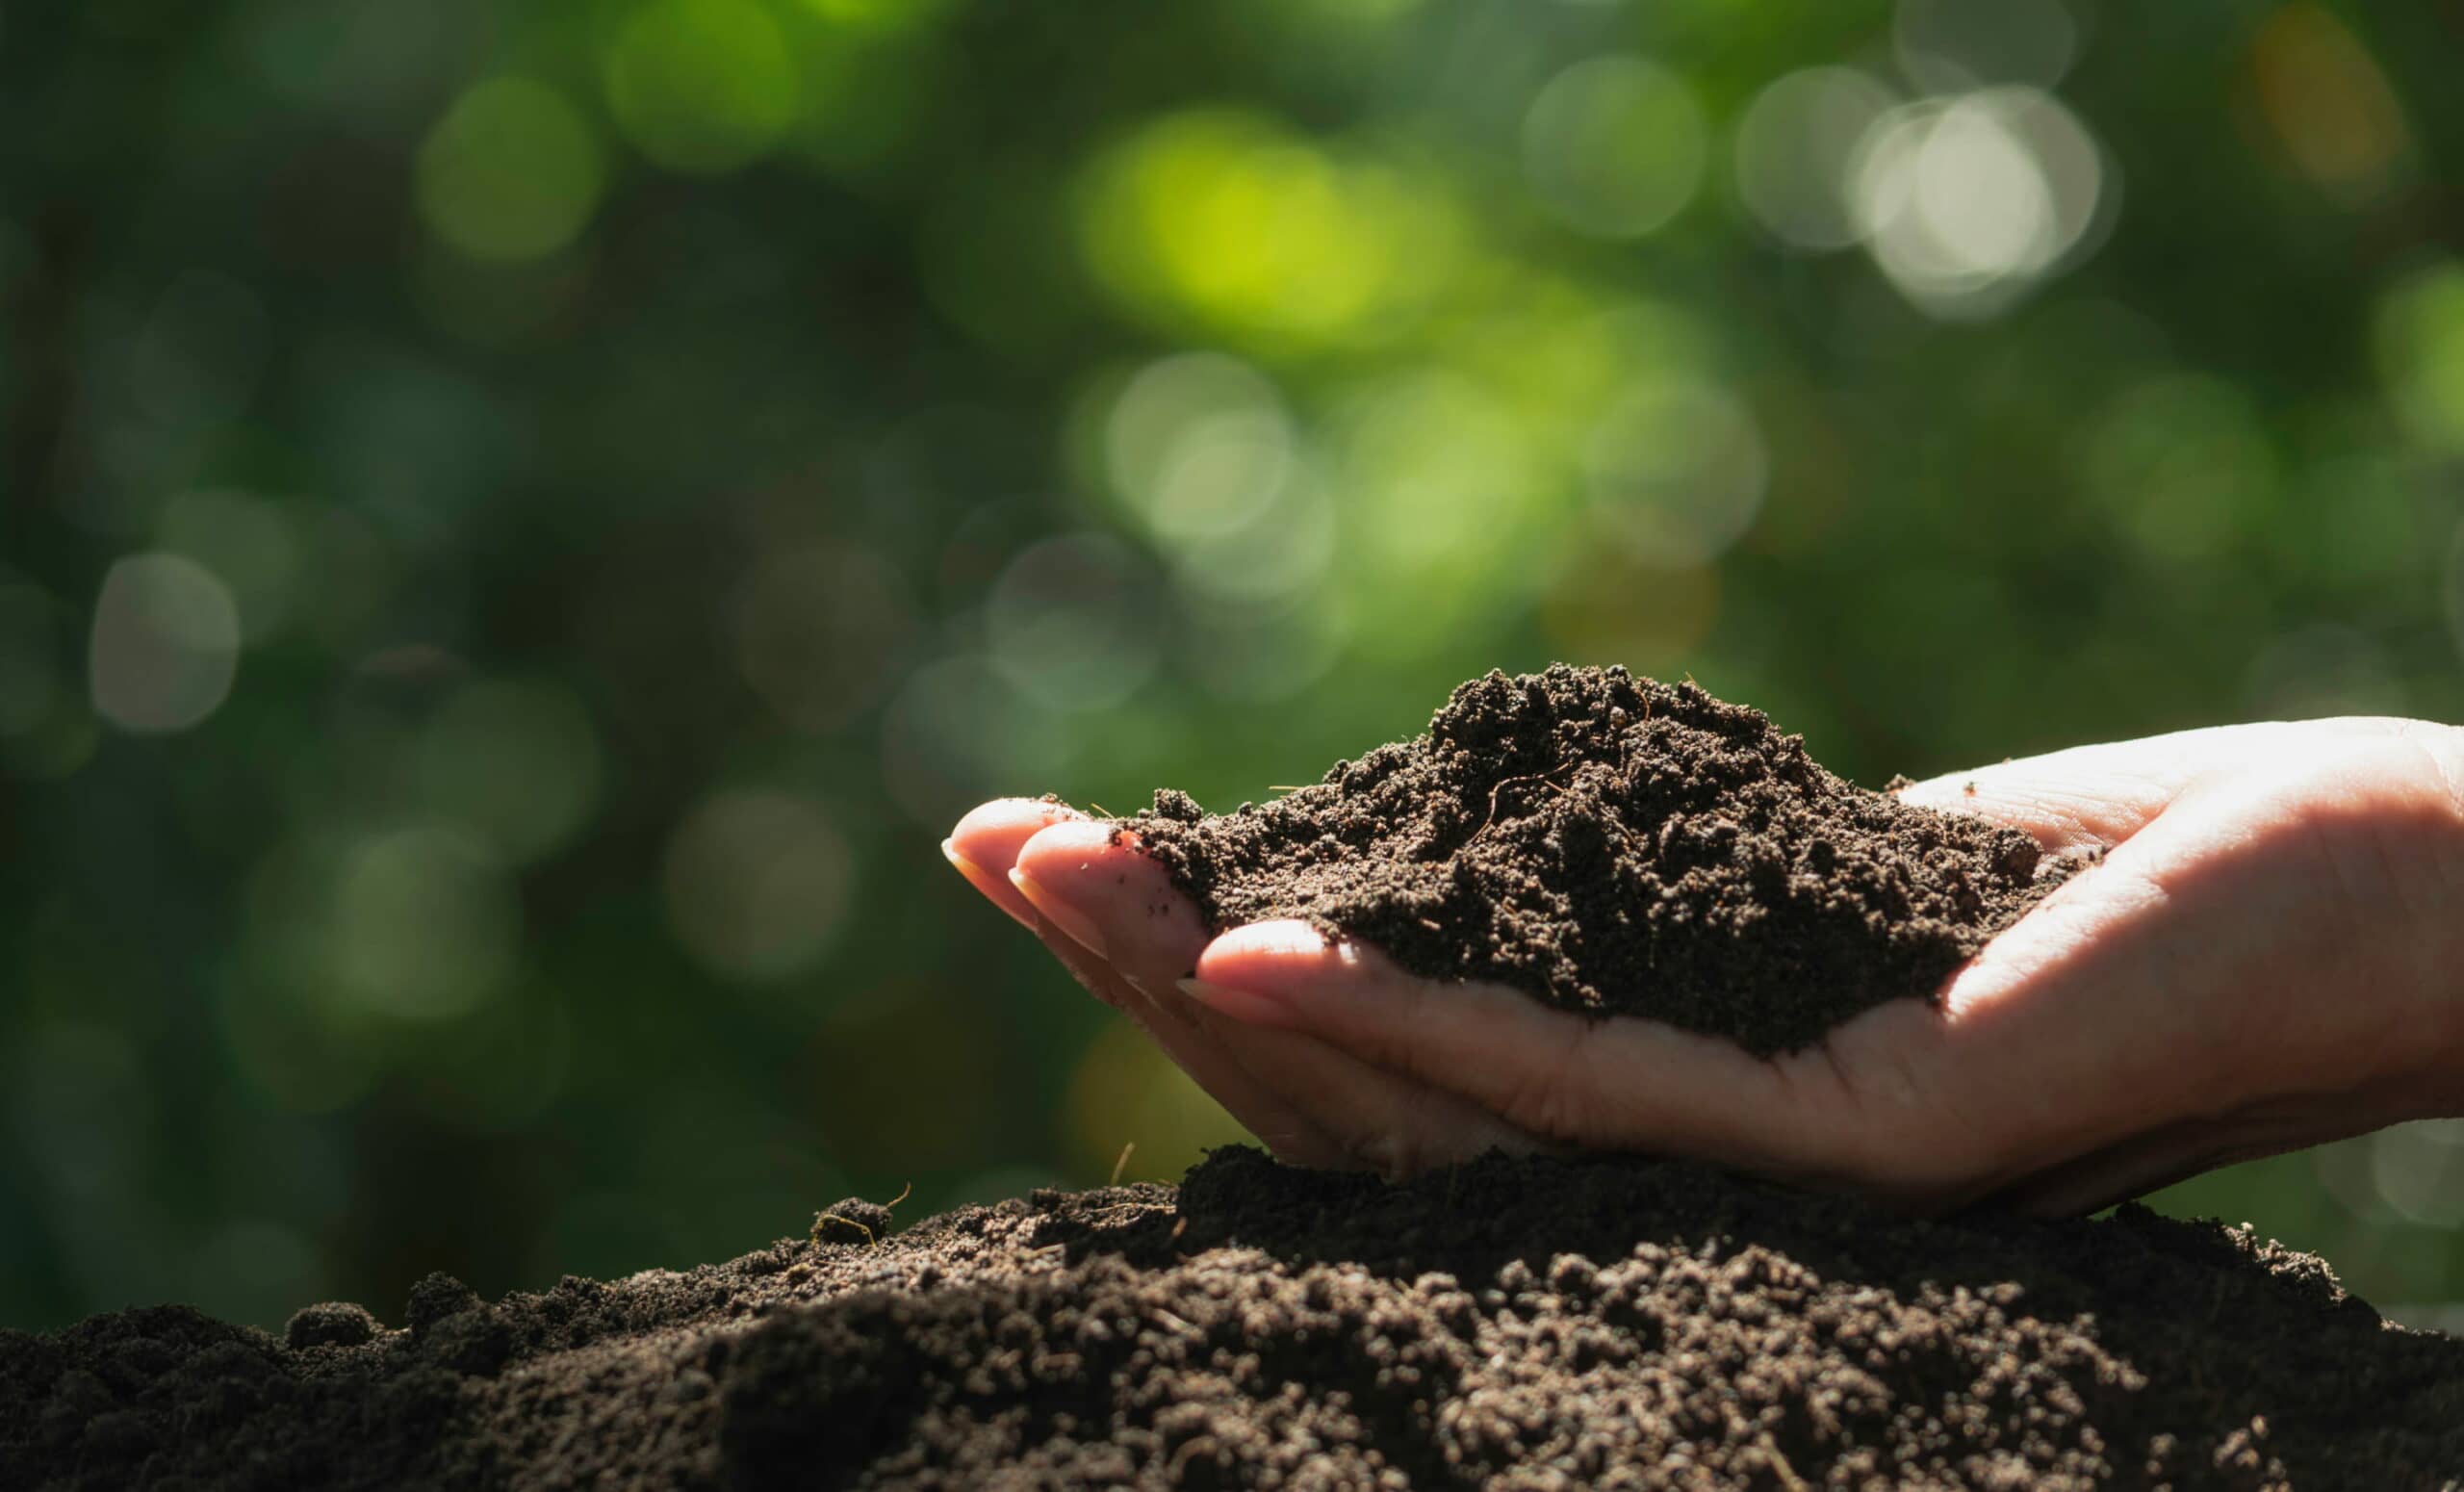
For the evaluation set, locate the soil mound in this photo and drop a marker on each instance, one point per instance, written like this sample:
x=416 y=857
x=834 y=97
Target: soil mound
x=1612 y=844
x=1510 y=1323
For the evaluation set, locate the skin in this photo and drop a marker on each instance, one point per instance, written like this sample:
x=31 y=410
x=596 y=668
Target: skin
x=2269 y=955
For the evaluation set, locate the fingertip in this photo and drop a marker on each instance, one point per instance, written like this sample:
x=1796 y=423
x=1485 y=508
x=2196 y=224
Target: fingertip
x=987 y=842
x=1007 y=819
x=1070 y=839
x=959 y=861
x=1281 y=937
x=1277 y=954
x=1076 y=866
x=1115 y=890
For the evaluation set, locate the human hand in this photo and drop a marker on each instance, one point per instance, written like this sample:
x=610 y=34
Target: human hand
x=2269 y=955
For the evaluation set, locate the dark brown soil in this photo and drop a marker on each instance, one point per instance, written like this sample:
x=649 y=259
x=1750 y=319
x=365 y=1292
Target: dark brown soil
x=1513 y=1323
x=1611 y=844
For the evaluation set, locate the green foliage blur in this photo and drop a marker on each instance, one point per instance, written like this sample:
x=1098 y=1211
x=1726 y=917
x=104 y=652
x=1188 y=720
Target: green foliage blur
x=524 y=526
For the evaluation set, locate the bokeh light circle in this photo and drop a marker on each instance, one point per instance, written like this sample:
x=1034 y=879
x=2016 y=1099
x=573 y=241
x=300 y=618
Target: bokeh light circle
x=1199 y=443
x=1280 y=557
x=1966 y=201
x=2418 y=1170
x=1795 y=149
x=2420 y=354
x=701 y=86
x=1614 y=146
x=1232 y=223
x=425 y=924
x=512 y=172
x=517 y=762
x=1072 y=623
x=820 y=634
x=875 y=14
x=165 y=644
x=756 y=884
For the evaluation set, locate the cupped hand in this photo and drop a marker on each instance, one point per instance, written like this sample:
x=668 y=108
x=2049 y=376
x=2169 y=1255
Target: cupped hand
x=2268 y=954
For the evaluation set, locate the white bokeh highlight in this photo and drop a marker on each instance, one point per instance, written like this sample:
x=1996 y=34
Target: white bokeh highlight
x=1968 y=201
x=165 y=644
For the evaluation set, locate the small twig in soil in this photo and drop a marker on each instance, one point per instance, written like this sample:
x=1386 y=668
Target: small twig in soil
x=1529 y=777
x=1121 y=1164
x=1107 y=1214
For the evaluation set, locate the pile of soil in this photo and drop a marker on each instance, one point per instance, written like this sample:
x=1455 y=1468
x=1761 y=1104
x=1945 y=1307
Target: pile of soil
x=1616 y=845
x=1510 y=1323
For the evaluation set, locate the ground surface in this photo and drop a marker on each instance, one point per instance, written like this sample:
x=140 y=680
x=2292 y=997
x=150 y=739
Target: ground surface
x=1535 y=1324
x=1612 y=844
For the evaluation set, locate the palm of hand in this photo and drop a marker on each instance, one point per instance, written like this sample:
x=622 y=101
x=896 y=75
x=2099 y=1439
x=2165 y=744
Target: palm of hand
x=2265 y=958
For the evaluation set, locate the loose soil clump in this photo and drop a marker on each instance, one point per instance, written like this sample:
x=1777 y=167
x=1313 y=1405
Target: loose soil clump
x=1614 y=845
x=1536 y=1323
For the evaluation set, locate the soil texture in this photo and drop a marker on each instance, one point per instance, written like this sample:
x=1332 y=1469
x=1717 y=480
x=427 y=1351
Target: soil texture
x=1611 y=844
x=1511 y=1324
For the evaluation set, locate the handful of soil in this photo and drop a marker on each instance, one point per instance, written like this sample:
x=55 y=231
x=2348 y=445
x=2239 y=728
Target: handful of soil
x=1611 y=844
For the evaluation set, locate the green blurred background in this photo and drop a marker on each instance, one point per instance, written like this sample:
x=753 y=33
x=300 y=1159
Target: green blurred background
x=524 y=526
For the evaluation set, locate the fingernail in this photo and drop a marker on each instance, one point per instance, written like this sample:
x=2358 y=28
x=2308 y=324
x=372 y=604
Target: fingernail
x=1246 y=1005
x=1080 y=927
x=982 y=880
x=1146 y=992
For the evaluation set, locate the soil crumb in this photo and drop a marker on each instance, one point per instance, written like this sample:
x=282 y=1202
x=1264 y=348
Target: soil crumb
x=1510 y=1323
x=1611 y=844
